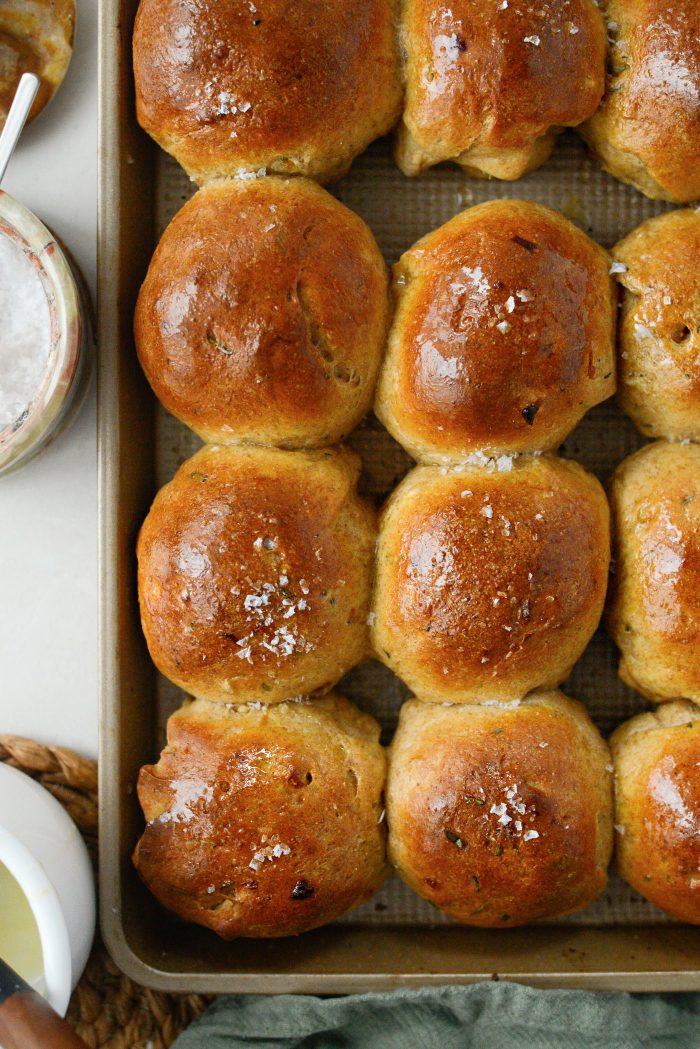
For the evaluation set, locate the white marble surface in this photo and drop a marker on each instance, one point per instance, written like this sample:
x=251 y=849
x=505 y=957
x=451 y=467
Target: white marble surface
x=48 y=510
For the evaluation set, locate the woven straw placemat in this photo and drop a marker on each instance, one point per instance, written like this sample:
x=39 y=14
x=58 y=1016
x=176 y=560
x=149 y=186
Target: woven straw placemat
x=108 y=1010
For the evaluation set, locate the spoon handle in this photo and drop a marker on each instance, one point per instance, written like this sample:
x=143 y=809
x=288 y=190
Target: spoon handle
x=27 y=1021
x=17 y=118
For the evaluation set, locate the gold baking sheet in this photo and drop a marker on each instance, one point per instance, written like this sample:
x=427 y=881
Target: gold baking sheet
x=399 y=211
x=395 y=939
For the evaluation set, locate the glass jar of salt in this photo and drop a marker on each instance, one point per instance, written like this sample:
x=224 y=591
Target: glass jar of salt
x=44 y=336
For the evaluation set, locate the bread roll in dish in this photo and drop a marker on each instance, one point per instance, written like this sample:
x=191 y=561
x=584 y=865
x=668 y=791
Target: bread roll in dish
x=490 y=83
x=490 y=584
x=654 y=612
x=657 y=807
x=232 y=87
x=647 y=130
x=36 y=36
x=264 y=821
x=658 y=266
x=503 y=335
x=264 y=314
x=254 y=573
x=500 y=814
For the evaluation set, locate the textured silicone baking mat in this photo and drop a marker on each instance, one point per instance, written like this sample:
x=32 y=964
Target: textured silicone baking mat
x=399 y=211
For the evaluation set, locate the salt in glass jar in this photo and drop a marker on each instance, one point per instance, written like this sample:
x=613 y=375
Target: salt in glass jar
x=45 y=336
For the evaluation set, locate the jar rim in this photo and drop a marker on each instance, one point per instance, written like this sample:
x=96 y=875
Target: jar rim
x=67 y=329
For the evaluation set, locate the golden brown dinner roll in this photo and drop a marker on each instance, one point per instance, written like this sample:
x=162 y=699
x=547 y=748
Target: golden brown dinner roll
x=500 y=814
x=490 y=83
x=503 y=335
x=657 y=807
x=238 y=86
x=658 y=265
x=254 y=573
x=36 y=36
x=264 y=821
x=654 y=612
x=490 y=584
x=264 y=314
x=647 y=130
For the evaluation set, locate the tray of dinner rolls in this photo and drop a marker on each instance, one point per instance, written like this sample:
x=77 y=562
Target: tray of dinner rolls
x=400 y=398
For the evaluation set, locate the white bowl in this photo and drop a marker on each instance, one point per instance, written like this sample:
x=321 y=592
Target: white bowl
x=44 y=852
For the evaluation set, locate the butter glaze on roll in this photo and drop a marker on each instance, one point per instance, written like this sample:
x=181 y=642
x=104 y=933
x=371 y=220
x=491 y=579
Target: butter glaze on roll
x=503 y=335
x=501 y=815
x=647 y=130
x=489 y=84
x=654 y=613
x=659 y=333
x=264 y=821
x=254 y=573
x=489 y=585
x=264 y=314
x=657 y=807
x=231 y=87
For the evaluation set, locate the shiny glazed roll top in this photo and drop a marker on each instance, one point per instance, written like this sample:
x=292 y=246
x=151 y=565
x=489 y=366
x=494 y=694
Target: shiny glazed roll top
x=657 y=807
x=232 y=87
x=490 y=83
x=659 y=333
x=503 y=335
x=254 y=573
x=654 y=610
x=490 y=584
x=264 y=314
x=265 y=821
x=647 y=129
x=501 y=815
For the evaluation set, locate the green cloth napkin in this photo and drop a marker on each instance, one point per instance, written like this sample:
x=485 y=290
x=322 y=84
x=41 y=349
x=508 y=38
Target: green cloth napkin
x=484 y=1016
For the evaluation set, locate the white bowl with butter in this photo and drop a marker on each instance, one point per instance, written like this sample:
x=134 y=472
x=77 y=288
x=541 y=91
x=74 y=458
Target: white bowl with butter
x=47 y=895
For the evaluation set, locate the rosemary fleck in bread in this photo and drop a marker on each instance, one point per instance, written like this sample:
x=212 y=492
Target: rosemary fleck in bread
x=654 y=611
x=489 y=84
x=264 y=821
x=647 y=129
x=657 y=807
x=254 y=573
x=490 y=584
x=501 y=814
x=503 y=337
x=264 y=314
x=231 y=87
x=659 y=332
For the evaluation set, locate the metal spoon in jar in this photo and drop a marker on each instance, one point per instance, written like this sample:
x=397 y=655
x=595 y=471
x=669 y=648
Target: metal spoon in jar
x=17 y=118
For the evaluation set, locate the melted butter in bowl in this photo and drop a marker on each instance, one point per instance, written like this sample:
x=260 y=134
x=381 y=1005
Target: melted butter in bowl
x=20 y=944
